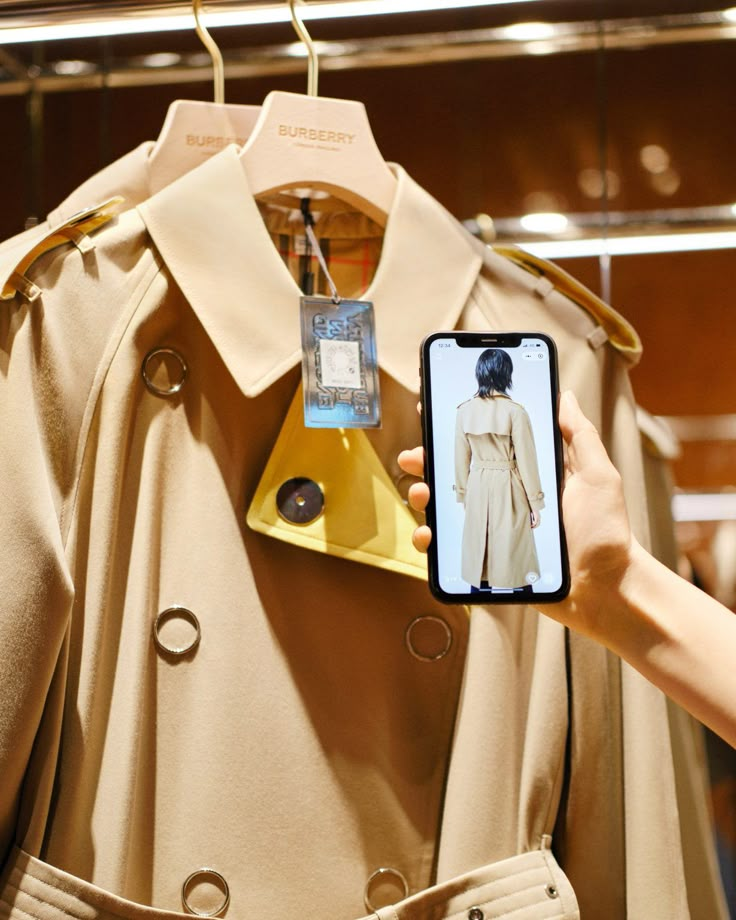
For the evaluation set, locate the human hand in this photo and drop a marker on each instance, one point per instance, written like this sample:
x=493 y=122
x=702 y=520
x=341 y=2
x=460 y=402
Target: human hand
x=597 y=527
x=535 y=518
x=412 y=462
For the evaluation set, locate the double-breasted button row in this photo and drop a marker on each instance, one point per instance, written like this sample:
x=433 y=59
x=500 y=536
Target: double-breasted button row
x=177 y=633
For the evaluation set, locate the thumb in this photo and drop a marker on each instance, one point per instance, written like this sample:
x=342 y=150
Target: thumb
x=584 y=447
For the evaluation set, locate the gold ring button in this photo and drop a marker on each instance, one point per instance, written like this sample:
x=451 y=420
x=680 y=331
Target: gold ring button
x=428 y=638
x=164 y=364
x=216 y=880
x=385 y=874
x=172 y=613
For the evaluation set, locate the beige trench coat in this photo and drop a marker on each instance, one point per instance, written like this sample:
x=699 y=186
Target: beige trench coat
x=332 y=719
x=497 y=480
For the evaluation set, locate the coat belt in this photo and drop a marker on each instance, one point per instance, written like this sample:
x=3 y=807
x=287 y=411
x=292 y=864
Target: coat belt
x=493 y=465
x=530 y=885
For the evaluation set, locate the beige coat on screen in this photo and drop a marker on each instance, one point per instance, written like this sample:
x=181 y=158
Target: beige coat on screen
x=497 y=479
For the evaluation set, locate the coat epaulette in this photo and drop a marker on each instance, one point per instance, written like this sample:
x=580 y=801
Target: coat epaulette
x=76 y=229
x=621 y=334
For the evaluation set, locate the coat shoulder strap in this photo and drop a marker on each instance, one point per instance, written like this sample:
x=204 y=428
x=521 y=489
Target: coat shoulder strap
x=621 y=334
x=76 y=230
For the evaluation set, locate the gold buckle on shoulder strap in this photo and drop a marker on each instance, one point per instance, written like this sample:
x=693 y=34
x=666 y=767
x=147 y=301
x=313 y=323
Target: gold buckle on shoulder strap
x=76 y=230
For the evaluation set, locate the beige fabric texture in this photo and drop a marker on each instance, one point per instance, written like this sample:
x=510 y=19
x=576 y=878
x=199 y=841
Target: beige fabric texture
x=301 y=745
x=497 y=479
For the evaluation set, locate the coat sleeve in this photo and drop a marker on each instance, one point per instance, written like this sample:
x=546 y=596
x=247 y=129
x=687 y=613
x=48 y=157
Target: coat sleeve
x=51 y=349
x=522 y=437
x=35 y=586
x=610 y=805
x=462 y=459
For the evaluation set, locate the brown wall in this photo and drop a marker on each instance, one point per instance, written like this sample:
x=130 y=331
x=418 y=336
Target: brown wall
x=497 y=136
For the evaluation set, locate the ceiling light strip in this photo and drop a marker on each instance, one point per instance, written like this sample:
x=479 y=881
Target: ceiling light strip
x=630 y=245
x=119 y=23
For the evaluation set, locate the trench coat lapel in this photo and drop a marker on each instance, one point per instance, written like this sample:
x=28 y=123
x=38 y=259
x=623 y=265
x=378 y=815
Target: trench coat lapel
x=209 y=232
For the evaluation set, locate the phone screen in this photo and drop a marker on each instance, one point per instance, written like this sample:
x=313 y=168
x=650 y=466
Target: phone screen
x=494 y=467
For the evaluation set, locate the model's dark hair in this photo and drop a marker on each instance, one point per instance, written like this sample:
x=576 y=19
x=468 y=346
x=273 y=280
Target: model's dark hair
x=493 y=372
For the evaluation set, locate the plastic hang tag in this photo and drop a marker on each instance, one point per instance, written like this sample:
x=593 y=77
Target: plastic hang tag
x=339 y=365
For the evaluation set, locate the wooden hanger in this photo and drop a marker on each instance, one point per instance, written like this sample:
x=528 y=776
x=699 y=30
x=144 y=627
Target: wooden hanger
x=193 y=131
x=318 y=143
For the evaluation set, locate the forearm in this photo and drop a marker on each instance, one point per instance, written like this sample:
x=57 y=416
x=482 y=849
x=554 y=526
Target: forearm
x=679 y=638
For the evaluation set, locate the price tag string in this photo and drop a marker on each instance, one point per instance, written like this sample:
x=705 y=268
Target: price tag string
x=314 y=243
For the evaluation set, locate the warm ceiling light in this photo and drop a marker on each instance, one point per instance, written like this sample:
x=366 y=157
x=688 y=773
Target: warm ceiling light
x=72 y=68
x=544 y=222
x=654 y=158
x=161 y=59
x=115 y=24
x=540 y=48
x=631 y=245
x=529 y=31
x=730 y=14
x=666 y=183
x=593 y=184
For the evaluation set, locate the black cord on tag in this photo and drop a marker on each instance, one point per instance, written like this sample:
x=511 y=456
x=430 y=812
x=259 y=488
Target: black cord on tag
x=312 y=244
x=307 y=282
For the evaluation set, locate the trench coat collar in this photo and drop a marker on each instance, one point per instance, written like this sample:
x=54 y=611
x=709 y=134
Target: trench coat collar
x=209 y=232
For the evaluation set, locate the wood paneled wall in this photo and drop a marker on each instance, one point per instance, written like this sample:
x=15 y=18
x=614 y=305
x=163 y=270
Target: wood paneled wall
x=501 y=137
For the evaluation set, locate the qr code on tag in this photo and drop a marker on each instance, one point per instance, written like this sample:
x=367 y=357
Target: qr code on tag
x=339 y=367
x=339 y=364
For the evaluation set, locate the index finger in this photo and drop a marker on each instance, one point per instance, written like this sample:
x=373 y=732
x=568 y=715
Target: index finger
x=412 y=461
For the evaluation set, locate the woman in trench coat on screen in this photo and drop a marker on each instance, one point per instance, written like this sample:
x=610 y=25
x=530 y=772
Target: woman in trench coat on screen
x=497 y=479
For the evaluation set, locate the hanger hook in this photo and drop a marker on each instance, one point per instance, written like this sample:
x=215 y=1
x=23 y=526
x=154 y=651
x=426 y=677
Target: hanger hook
x=312 y=56
x=210 y=44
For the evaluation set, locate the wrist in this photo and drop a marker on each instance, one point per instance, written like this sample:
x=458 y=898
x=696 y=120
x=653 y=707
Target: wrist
x=650 y=595
x=644 y=621
x=602 y=586
x=627 y=607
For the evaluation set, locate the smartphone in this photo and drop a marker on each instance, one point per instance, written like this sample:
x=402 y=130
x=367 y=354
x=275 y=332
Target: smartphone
x=493 y=462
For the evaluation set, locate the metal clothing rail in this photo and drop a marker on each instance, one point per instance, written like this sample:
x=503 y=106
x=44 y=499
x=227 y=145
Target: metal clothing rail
x=363 y=53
